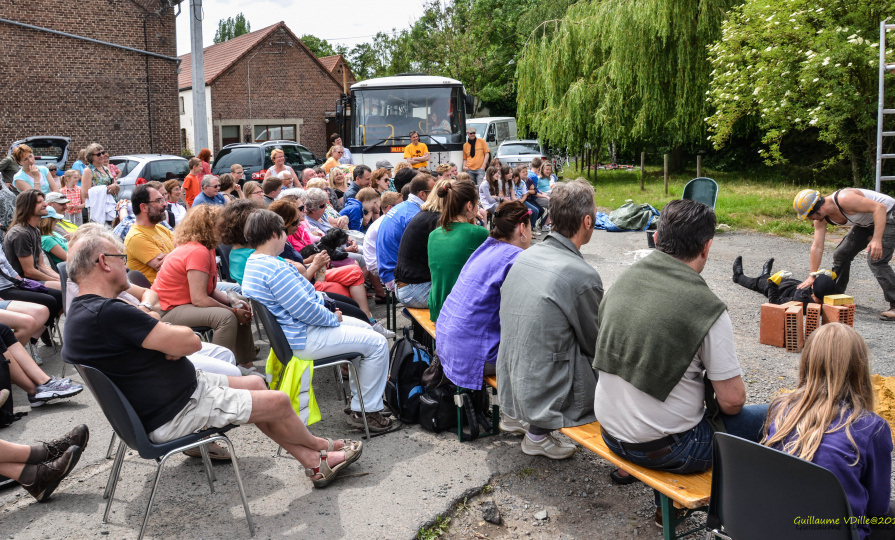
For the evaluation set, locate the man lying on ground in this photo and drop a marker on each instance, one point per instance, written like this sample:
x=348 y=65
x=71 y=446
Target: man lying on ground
x=145 y=358
x=780 y=288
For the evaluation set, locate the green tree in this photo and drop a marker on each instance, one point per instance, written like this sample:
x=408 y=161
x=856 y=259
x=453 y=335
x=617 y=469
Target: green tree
x=321 y=47
x=620 y=70
x=791 y=67
x=232 y=27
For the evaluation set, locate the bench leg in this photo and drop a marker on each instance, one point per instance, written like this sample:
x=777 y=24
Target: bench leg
x=459 y=416
x=670 y=520
x=495 y=413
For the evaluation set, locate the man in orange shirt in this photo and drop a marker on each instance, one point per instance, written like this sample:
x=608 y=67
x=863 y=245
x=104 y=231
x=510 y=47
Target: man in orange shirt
x=475 y=156
x=192 y=184
x=416 y=153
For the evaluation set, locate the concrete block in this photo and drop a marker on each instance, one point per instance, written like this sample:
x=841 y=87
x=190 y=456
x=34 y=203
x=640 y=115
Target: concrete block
x=838 y=314
x=772 y=325
x=838 y=299
x=812 y=319
x=795 y=334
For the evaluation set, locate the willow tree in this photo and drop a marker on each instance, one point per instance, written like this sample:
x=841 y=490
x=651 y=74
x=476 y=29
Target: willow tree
x=796 y=66
x=620 y=70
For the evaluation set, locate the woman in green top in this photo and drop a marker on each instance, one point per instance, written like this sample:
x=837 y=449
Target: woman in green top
x=96 y=173
x=50 y=241
x=451 y=244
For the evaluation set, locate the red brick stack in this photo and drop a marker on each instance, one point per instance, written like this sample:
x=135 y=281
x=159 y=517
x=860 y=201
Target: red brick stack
x=784 y=326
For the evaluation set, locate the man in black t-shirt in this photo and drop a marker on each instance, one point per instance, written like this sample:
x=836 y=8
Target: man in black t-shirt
x=145 y=359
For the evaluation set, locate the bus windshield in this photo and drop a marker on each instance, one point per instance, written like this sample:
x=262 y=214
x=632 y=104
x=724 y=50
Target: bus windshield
x=387 y=115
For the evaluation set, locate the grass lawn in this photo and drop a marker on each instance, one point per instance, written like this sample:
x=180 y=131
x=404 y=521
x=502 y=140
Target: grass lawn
x=759 y=203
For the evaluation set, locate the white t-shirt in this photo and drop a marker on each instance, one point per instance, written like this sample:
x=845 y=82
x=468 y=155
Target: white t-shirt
x=636 y=417
x=370 y=244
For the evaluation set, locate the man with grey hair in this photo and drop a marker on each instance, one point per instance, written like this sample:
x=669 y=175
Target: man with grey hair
x=546 y=379
x=146 y=360
x=306 y=176
x=211 y=192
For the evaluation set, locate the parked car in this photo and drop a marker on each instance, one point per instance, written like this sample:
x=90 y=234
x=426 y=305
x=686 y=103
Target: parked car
x=520 y=152
x=255 y=158
x=158 y=167
x=47 y=149
x=495 y=130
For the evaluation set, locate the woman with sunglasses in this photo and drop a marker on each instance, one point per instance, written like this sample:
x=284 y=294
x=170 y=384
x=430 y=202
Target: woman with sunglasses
x=466 y=361
x=31 y=174
x=96 y=173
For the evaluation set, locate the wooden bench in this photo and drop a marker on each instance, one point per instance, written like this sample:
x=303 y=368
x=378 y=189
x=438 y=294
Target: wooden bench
x=689 y=491
x=421 y=317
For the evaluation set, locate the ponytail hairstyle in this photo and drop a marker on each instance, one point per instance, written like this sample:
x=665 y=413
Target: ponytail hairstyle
x=455 y=196
x=506 y=217
x=490 y=174
x=506 y=180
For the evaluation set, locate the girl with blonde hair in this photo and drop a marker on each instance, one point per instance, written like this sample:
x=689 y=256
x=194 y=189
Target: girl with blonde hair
x=829 y=420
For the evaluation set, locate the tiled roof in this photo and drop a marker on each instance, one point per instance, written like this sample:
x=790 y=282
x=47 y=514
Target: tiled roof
x=221 y=56
x=330 y=62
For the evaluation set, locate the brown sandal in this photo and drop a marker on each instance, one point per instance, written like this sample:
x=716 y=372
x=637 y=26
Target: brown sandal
x=352 y=449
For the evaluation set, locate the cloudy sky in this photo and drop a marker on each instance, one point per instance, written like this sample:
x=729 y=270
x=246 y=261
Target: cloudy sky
x=348 y=22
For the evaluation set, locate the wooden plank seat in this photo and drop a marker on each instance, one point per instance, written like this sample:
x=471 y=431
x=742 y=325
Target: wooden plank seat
x=421 y=317
x=689 y=491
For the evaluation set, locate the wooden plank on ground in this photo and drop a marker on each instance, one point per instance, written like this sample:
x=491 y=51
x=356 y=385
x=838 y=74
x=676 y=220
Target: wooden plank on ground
x=421 y=316
x=686 y=490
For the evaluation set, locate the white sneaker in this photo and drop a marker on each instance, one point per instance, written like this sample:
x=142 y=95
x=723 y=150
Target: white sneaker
x=382 y=330
x=535 y=233
x=549 y=446
x=34 y=356
x=511 y=425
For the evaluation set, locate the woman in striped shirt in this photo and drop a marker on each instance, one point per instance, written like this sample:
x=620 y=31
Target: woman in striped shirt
x=313 y=330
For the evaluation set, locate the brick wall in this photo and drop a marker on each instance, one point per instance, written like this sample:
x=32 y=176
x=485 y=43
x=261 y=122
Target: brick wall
x=290 y=84
x=54 y=85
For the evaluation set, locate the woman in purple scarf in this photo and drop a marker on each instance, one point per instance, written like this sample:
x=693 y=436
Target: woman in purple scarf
x=468 y=327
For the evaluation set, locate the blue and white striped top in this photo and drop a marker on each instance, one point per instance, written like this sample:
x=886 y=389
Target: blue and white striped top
x=291 y=298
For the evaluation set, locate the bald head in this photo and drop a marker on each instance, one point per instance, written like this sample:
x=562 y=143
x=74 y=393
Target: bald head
x=307 y=175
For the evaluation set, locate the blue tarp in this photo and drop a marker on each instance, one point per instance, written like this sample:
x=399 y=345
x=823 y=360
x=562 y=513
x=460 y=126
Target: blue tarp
x=627 y=215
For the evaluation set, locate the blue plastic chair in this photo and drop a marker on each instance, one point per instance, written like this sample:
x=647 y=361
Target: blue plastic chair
x=280 y=345
x=129 y=428
x=704 y=190
x=758 y=491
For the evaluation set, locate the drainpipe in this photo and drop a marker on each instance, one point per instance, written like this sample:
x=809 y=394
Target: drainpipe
x=148 y=88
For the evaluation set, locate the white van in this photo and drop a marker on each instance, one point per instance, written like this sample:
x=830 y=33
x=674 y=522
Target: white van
x=494 y=130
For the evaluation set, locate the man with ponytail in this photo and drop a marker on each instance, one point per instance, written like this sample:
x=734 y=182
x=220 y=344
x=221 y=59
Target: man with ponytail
x=548 y=327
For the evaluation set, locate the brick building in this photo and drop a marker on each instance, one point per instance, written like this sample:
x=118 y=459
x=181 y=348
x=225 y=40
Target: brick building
x=338 y=66
x=57 y=85
x=260 y=86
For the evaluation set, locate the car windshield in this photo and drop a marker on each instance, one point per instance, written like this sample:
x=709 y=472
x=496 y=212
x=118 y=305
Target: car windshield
x=388 y=115
x=245 y=156
x=519 y=149
x=479 y=128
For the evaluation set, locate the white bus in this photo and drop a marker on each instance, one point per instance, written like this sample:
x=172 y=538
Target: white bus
x=384 y=111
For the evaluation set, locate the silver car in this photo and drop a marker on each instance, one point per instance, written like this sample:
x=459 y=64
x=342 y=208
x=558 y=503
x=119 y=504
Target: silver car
x=520 y=152
x=158 y=167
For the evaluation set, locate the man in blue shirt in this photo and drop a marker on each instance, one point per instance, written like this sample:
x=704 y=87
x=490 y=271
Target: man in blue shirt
x=392 y=228
x=211 y=192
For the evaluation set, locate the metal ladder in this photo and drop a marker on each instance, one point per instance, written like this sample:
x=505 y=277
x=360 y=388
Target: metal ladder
x=883 y=69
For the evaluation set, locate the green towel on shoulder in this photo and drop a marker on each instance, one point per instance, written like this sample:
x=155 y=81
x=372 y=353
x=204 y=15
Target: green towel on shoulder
x=653 y=321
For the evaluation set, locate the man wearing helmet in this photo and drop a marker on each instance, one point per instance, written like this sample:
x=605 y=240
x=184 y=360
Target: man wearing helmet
x=871 y=216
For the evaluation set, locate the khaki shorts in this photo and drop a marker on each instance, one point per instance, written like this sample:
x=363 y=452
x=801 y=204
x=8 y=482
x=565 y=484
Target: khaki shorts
x=213 y=404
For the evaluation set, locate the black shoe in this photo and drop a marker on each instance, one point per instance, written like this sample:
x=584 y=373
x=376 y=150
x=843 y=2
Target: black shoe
x=737 y=268
x=45 y=338
x=768 y=267
x=76 y=437
x=50 y=473
x=622 y=480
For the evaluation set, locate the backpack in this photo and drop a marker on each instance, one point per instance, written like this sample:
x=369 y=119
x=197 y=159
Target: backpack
x=7 y=417
x=438 y=404
x=404 y=387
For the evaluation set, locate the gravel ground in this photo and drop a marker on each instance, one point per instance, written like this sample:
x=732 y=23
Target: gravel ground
x=406 y=479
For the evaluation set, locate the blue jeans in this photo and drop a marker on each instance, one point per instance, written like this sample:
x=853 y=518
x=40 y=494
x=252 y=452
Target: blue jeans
x=415 y=295
x=692 y=450
x=535 y=213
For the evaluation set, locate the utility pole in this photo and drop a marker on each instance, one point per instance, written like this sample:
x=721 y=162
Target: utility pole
x=197 y=61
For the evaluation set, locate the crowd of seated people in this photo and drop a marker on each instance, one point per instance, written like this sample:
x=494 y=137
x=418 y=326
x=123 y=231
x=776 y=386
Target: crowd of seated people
x=565 y=352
